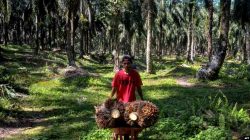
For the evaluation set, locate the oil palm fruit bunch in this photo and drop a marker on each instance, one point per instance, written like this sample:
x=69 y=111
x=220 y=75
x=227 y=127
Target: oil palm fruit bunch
x=110 y=114
x=131 y=113
x=141 y=113
x=102 y=116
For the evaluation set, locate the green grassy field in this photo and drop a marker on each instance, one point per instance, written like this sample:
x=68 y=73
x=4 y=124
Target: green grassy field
x=58 y=107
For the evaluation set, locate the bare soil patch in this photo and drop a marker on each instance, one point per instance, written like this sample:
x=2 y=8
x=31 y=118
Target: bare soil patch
x=183 y=81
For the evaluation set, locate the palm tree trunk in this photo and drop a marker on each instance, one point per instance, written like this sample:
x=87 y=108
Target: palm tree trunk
x=243 y=49
x=160 y=41
x=190 y=33
x=81 y=42
x=1 y=31
x=133 y=42
x=50 y=36
x=209 y=4
x=6 y=36
x=116 y=54
x=1 y=37
x=22 y=30
x=19 y=32
x=138 y=46
x=149 y=40
x=164 y=46
x=81 y=32
x=53 y=32
x=70 y=43
x=129 y=43
x=211 y=71
x=248 y=42
x=178 y=49
x=237 y=47
x=87 y=43
x=116 y=46
x=37 y=36
x=192 y=47
x=42 y=36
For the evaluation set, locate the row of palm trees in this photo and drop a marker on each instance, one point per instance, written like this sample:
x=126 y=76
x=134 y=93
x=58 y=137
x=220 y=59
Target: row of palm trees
x=141 y=28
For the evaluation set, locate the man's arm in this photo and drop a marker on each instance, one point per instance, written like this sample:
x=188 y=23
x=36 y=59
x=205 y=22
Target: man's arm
x=114 y=89
x=140 y=92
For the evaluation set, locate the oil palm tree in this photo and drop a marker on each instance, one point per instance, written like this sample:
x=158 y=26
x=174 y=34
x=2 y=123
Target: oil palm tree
x=70 y=9
x=211 y=70
x=209 y=7
x=242 y=16
x=190 y=31
x=5 y=11
x=149 y=13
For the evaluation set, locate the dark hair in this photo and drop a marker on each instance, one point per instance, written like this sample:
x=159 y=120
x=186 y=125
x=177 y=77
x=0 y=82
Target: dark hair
x=128 y=58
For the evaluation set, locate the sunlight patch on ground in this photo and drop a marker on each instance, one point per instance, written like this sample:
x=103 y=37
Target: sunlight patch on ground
x=155 y=82
x=158 y=94
x=47 y=108
x=45 y=87
x=29 y=133
x=63 y=108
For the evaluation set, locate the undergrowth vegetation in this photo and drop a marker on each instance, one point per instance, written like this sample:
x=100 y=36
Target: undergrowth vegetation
x=58 y=107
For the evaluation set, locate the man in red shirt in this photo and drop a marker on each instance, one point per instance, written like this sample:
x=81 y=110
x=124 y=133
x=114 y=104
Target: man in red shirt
x=126 y=81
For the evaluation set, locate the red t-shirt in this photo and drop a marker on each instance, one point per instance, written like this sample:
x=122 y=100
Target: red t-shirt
x=126 y=85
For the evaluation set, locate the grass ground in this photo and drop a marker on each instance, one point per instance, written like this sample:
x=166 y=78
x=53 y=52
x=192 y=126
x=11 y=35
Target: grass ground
x=58 y=107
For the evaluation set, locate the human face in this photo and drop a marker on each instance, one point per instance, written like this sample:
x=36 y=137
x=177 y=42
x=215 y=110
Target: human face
x=126 y=64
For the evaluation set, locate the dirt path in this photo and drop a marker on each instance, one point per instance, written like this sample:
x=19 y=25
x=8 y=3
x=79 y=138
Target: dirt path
x=8 y=131
x=21 y=124
x=183 y=81
x=18 y=121
x=17 y=127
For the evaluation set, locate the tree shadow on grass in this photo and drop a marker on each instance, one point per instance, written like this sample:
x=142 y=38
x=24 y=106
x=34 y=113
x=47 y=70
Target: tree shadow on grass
x=177 y=105
x=76 y=82
x=10 y=49
x=182 y=71
x=67 y=118
x=25 y=68
x=63 y=116
x=96 y=68
x=82 y=82
x=239 y=93
x=33 y=61
x=178 y=71
x=163 y=64
x=24 y=57
x=38 y=118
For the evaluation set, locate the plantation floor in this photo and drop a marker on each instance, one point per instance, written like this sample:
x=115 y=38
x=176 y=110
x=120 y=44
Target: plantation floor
x=59 y=107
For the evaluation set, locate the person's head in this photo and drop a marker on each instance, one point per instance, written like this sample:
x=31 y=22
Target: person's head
x=126 y=62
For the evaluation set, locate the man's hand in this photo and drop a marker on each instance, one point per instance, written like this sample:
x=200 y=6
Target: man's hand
x=114 y=89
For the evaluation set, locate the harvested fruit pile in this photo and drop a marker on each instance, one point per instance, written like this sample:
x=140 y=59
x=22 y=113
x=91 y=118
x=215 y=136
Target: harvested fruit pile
x=112 y=114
